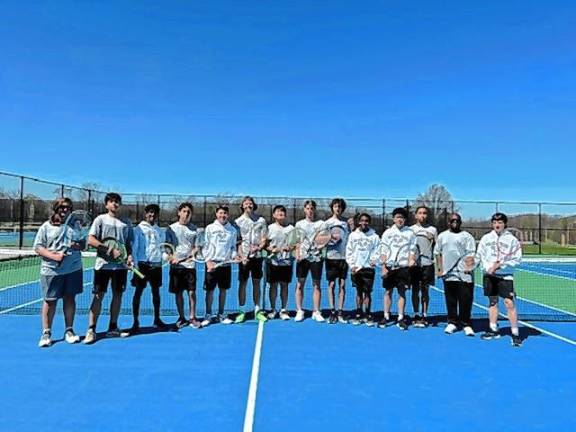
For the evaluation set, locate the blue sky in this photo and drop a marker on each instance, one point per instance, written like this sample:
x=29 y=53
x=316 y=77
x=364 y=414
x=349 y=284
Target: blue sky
x=356 y=98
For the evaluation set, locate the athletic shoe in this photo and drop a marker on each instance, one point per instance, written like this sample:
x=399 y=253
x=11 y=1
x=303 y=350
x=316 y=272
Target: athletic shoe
x=206 y=321
x=357 y=320
x=114 y=332
x=490 y=334
x=240 y=318
x=450 y=328
x=299 y=316
x=158 y=323
x=182 y=322
x=223 y=319
x=383 y=323
x=194 y=323
x=416 y=321
x=332 y=319
x=45 y=340
x=284 y=315
x=317 y=316
x=71 y=337
x=90 y=337
x=272 y=314
x=424 y=322
x=516 y=341
x=370 y=321
x=341 y=318
x=132 y=331
x=402 y=324
x=468 y=331
x=260 y=316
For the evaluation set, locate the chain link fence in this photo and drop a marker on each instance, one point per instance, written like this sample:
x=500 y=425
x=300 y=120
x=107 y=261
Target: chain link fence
x=25 y=203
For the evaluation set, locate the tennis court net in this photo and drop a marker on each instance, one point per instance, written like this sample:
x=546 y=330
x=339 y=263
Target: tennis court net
x=545 y=287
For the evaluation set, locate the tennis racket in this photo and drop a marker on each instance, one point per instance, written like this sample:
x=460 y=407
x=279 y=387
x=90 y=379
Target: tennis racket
x=73 y=231
x=464 y=265
x=424 y=245
x=393 y=264
x=113 y=244
x=254 y=241
x=289 y=245
x=506 y=247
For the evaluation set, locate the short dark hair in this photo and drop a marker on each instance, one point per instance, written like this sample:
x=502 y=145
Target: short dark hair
x=400 y=211
x=186 y=204
x=422 y=206
x=113 y=196
x=152 y=208
x=222 y=207
x=248 y=197
x=310 y=202
x=499 y=217
x=361 y=215
x=454 y=215
x=338 y=201
x=279 y=207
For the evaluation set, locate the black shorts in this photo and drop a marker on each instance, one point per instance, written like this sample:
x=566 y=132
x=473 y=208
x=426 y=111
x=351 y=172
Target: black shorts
x=304 y=267
x=363 y=280
x=397 y=278
x=336 y=269
x=282 y=274
x=495 y=286
x=221 y=277
x=422 y=277
x=182 y=279
x=253 y=266
x=117 y=278
x=152 y=275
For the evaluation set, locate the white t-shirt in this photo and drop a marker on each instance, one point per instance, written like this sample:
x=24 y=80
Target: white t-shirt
x=308 y=251
x=424 y=247
x=276 y=236
x=453 y=247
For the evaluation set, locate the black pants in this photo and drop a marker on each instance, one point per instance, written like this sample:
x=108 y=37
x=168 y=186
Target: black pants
x=459 y=297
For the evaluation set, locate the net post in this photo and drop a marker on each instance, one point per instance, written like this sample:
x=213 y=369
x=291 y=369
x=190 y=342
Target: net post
x=21 y=221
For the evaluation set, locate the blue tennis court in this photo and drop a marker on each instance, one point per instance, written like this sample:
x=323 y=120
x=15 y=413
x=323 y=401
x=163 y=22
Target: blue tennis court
x=286 y=374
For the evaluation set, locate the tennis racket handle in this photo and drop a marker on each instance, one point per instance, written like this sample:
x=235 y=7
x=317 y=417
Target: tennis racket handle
x=137 y=272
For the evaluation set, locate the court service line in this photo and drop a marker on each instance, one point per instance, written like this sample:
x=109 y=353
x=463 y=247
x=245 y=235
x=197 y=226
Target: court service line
x=253 y=389
x=524 y=323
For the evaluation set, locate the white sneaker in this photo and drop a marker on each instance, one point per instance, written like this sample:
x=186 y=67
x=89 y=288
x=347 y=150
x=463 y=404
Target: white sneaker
x=90 y=337
x=224 y=319
x=450 y=328
x=284 y=315
x=272 y=314
x=45 y=340
x=206 y=321
x=317 y=316
x=468 y=331
x=299 y=315
x=71 y=337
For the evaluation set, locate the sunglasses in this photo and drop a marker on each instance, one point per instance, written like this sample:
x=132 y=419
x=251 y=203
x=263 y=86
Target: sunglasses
x=64 y=207
x=455 y=220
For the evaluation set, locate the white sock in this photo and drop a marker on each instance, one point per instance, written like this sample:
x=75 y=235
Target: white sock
x=387 y=316
x=400 y=317
x=515 y=331
x=494 y=327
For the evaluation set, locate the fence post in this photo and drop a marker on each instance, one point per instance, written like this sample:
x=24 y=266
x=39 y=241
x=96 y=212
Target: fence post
x=205 y=204
x=540 y=228
x=89 y=203
x=21 y=224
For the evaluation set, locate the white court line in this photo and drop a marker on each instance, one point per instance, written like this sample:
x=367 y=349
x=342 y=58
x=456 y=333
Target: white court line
x=524 y=323
x=251 y=403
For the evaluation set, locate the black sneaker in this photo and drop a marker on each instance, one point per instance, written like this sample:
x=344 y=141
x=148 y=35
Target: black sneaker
x=333 y=318
x=370 y=320
x=424 y=322
x=383 y=323
x=181 y=323
x=402 y=324
x=341 y=318
x=490 y=334
x=158 y=323
x=516 y=341
x=357 y=320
